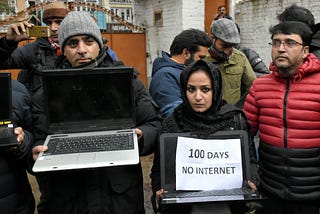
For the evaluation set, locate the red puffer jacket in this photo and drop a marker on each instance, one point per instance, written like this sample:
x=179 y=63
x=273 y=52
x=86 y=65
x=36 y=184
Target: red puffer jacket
x=287 y=113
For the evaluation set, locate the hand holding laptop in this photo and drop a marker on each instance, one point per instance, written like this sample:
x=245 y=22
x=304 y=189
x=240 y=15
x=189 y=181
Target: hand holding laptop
x=20 y=134
x=252 y=185
x=36 y=151
x=139 y=133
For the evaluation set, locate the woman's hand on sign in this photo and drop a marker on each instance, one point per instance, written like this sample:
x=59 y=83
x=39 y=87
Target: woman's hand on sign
x=252 y=185
x=159 y=194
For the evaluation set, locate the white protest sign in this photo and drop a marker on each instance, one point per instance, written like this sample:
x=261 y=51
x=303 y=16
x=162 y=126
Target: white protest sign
x=208 y=164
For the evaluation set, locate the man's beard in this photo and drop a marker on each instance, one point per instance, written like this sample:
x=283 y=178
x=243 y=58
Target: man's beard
x=190 y=60
x=283 y=68
x=220 y=56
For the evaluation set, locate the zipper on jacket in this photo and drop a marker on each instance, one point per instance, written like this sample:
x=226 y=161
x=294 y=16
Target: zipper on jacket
x=285 y=113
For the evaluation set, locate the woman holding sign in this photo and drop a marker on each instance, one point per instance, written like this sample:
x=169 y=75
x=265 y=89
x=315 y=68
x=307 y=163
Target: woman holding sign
x=203 y=111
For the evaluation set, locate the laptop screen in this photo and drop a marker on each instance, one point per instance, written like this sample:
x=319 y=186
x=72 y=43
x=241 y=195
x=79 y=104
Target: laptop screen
x=168 y=146
x=89 y=98
x=5 y=98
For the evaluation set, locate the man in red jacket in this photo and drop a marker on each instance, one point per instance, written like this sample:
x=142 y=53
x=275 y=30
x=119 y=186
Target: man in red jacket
x=285 y=107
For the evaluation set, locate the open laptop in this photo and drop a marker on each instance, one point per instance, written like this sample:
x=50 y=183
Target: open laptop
x=89 y=103
x=7 y=136
x=168 y=152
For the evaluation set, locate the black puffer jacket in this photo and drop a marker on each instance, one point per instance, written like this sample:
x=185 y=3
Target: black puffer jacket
x=256 y=62
x=103 y=190
x=15 y=191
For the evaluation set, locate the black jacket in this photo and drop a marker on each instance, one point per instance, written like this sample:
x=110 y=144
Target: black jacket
x=32 y=58
x=15 y=191
x=256 y=62
x=27 y=56
x=102 y=190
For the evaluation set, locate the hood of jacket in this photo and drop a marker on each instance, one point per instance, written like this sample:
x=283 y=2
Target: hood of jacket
x=165 y=61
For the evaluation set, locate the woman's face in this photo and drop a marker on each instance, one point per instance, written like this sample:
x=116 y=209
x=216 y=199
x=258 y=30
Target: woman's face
x=199 y=91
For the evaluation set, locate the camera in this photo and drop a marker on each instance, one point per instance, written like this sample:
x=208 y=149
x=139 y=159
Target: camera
x=38 y=31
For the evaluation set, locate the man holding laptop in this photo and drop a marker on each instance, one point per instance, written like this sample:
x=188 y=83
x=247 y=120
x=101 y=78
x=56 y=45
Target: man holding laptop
x=101 y=190
x=15 y=147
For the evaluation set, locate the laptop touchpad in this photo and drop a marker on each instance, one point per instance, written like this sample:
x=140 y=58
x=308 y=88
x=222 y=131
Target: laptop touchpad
x=86 y=157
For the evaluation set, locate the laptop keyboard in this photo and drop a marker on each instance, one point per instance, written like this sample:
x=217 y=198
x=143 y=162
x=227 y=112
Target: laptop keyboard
x=113 y=142
x=209 y=193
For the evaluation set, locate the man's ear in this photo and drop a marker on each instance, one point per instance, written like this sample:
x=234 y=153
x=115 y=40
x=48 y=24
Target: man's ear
x=186 y=53
x=306 y=51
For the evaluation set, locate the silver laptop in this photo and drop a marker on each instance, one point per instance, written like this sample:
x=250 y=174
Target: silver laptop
x=7 y=136
x=168 y=151
x=91 y=115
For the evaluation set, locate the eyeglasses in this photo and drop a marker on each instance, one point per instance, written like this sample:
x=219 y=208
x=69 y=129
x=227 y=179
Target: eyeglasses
x=286 y=43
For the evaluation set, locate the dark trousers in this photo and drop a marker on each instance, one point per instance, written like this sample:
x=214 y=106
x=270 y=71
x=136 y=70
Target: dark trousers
x=278 y=206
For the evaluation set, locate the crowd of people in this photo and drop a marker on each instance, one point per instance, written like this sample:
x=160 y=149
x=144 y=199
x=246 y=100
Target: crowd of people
x=207 y=83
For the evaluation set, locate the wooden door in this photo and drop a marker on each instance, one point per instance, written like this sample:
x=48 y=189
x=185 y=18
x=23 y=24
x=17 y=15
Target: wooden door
x=131 y=49
x=211 y=9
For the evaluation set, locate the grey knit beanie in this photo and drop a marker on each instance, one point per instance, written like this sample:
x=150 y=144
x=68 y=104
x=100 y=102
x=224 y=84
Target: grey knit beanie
x=78 y=23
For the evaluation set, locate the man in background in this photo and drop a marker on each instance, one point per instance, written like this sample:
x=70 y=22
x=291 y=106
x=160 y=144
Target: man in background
x=222 y=13
x=188 y=46
x=237 y=73
x=109 y=50
x=33 y=57
x=302 y=14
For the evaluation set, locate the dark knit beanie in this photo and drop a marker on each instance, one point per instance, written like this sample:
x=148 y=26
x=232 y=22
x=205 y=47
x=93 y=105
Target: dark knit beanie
x=78 y=23
x=56 y=9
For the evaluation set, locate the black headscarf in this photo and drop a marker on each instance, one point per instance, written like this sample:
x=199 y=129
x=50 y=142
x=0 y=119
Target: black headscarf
x=219 y=116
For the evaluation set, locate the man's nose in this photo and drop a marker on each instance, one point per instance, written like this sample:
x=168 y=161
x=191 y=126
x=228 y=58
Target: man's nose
x=82 y=48
x=54 y=26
